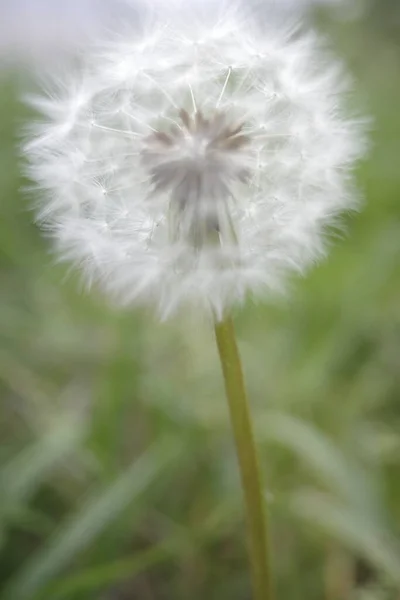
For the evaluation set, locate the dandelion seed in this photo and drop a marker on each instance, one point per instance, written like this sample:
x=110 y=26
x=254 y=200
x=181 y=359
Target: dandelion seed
x=227 y=151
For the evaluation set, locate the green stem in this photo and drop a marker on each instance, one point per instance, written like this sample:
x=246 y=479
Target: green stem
x=256 y=515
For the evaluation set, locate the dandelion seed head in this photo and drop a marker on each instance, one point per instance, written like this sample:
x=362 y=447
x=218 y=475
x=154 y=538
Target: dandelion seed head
x=197 y=159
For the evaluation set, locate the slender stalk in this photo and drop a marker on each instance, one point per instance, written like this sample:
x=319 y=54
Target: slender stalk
x=339 y=574
x=256 y=515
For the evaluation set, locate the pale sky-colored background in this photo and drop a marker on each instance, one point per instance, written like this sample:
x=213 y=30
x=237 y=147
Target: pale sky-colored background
x=30 y=28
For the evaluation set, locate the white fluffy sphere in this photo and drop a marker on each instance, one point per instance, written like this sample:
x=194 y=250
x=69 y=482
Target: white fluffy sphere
x=196 y=160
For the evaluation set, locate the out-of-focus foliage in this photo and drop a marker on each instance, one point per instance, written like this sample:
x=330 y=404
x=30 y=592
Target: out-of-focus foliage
x=384 y=15
x=117 y=472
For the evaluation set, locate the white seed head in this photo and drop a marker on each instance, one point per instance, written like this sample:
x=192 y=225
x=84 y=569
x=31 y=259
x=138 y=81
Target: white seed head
x=196 y=160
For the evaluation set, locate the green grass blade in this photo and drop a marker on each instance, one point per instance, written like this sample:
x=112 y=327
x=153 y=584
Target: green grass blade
x=94 y=516
x=352 y=528
x=23 y=475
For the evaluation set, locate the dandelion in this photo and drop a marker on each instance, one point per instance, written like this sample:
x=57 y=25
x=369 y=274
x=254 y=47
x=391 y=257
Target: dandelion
x=198 y=160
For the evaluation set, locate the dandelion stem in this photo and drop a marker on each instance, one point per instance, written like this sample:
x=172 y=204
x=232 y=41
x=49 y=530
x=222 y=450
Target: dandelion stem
x=256 y=514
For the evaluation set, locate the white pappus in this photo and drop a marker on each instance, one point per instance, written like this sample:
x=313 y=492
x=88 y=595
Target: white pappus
x=196 y=158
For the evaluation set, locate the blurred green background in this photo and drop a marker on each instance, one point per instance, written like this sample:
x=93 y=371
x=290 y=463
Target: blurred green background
x=117 y=470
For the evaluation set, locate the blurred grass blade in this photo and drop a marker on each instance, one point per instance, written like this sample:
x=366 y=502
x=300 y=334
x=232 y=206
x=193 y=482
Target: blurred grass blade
x=106 y=575
x=177 y=545
x=92 y=518
x=335 y=470
x=22 y=475
x=352 y=528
